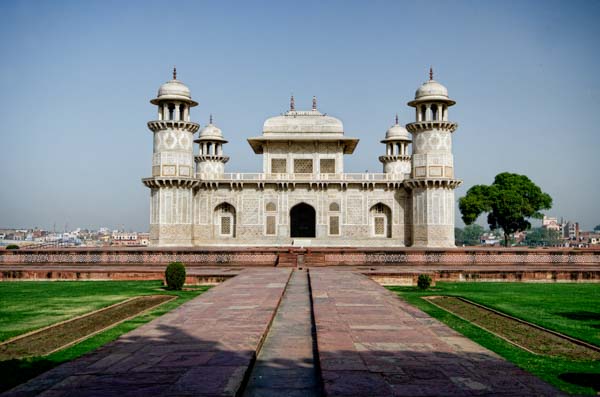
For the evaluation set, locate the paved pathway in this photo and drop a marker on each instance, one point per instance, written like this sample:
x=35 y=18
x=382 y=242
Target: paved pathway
x=372 y=343
x=285 y=365
x=204 y=347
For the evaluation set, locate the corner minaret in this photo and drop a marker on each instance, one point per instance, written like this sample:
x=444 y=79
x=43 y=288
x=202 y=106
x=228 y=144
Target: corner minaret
x=210 y=162
x=172 y=166
x=396 y=160
x=432 y=175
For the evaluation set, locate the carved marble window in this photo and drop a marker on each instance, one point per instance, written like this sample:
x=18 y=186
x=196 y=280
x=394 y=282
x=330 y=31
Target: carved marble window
x=225 y=214
x=379 y=226
x=381 y=216
x=334 y=207
x=303 y=166
x=278 y=166
x=327 y=166
x=226 y=226
x=271 y=207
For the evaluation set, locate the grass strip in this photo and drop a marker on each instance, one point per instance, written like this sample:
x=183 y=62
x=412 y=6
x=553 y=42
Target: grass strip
x=520 y=334
x=61 y=335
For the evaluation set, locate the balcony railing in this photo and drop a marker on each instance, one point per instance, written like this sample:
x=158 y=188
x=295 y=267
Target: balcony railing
x=341 y=177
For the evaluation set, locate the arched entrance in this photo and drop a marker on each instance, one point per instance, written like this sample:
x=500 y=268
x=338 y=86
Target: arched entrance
x=302 y=221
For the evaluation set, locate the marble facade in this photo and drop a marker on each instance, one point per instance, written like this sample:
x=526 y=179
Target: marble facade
x=303 y=197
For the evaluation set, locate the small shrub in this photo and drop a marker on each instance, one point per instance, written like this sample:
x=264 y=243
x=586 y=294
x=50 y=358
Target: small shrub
x=175 y=276
x=424 y=281
x=12 y=247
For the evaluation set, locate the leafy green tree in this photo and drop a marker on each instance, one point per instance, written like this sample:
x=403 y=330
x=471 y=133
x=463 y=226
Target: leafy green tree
x=542 y=236
x=597 y=228
x=470 y=235
x=509 y=202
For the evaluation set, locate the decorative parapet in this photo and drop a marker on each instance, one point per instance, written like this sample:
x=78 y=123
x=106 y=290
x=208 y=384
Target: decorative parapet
x=137 y=257
x=253 y=177
x=458 y=257
x=160 y=125
x=419 y=126
x=285 y=182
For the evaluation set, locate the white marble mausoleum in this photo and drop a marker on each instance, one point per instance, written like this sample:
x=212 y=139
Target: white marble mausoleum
x=303 y=196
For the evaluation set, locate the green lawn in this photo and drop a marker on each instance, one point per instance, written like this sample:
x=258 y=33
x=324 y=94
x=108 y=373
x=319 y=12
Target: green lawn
x=573 y=309
x=28 y=305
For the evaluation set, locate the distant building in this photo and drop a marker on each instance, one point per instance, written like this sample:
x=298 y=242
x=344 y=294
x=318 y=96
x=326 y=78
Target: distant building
x=491 y=238
x=571 y=230
x=129 y=239
x=551 y=223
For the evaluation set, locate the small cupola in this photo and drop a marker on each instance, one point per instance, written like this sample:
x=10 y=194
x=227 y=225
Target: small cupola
x=210 y=161
x=397 y=156
x=174 y=100
x=431 y=101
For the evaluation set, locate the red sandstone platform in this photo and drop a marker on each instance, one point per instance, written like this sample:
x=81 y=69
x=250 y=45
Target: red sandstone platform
x=405 y=274
x=386 y=265
x=370 y=343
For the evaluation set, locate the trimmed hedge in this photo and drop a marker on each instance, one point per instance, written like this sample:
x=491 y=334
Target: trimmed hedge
x=12 y=247
x=175 y=276
x=424 y=281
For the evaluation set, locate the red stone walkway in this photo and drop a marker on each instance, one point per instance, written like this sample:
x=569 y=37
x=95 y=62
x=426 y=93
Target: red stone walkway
x=373 y=344
x=370 y=343
x=203 y=348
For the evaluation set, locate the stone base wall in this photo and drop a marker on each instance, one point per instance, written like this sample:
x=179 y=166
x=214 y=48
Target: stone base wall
x=90 y=274
x=541 y=276
x=312 y=256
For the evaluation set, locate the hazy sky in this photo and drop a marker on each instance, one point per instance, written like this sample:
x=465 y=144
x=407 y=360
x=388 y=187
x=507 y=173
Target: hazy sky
x=76 y=78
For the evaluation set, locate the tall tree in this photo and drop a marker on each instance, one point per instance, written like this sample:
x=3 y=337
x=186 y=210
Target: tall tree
x=509 y=202
x=597 y=228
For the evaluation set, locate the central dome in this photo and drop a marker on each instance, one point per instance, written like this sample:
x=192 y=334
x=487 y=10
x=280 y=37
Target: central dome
x=308 y=122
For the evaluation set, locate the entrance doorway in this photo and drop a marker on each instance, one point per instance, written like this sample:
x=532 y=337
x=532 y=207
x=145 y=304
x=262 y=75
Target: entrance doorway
x=302 y=221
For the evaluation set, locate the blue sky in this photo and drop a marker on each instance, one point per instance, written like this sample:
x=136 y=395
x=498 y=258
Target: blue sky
x=76 y=78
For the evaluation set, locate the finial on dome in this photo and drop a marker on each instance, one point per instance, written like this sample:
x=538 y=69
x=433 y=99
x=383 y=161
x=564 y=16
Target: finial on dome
x=314 y=108
x=396 y=118
x=292 y=105
x=210 y=119
x=430 y=73
x=174 y=73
